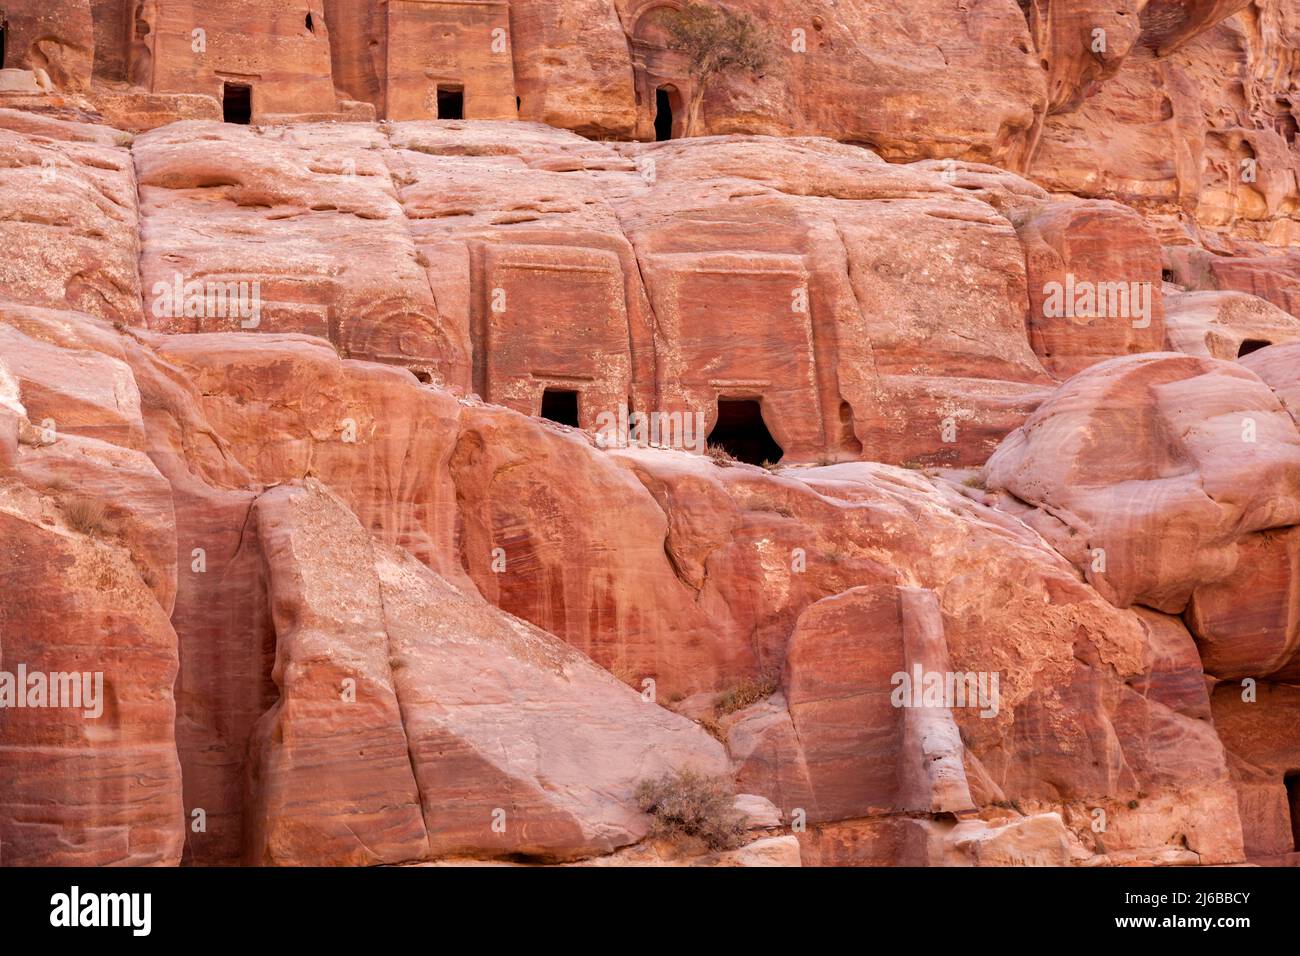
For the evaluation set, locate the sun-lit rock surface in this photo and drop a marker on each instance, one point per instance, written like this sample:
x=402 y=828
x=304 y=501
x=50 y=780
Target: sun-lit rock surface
x=1226 y=325
x=1147 y=471
x=996 y=337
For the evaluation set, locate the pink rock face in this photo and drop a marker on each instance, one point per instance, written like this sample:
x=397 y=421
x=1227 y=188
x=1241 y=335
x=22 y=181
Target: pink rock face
x=578 y=82
x=1169 y=24
x=485 y=265
x=995 y=337
x=1084 y=43
x=669 y=251
x=280 y=55
x=57 y=36
x=1081 y=43
x=1258 y=729
x=335 y=734
x=232 y=629
x=1094 y=284
x=1276 y=280
x=605 y=78
x=521 y=745
x=827 y=287
x=1176 y=133
x=317 y=279
x=69 y=217
x=102 y=766
x=1138 y=471
x=990 y=106
x=1226 y=325
x=854 y=715
x=732 y=537
x=1138 y=88
x=506 y=248
x=287 y=407
x=468 y=732
x=628 y=607
x=1248 y=625
x=467 y=45
x=90 y=748
x=1279 y=369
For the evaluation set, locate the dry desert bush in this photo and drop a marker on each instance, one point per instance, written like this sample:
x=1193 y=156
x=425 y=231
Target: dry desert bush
x=691 y=808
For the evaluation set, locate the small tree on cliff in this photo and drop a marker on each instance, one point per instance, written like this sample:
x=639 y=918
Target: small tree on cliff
x=715 y=41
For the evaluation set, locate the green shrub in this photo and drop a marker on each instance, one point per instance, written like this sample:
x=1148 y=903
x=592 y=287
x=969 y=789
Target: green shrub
x=715 y=41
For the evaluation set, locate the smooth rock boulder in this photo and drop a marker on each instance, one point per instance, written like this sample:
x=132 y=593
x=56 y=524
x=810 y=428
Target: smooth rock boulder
x=1146 y=471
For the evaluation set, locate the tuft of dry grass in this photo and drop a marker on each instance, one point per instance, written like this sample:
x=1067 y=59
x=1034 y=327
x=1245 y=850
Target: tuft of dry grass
x=692 y=808
x=710 y=725
x=720 y=456
x=87 y=516
x=625 y=674
x=749 y=691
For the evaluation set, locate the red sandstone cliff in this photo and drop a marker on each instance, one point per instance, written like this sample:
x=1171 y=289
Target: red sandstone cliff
x=276 y=463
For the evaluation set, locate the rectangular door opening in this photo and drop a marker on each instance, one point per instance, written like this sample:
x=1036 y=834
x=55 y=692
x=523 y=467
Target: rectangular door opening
x=451 y=102
x=663 y=114
x=237 y=103
x=741 y=431
x=560 y=405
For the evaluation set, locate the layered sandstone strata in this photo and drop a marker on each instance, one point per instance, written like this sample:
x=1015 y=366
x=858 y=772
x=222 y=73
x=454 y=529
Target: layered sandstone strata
x=768 y=560
x=1017 y=315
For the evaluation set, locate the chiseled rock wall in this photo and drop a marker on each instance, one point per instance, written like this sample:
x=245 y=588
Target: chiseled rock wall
x=353 y=602
x=1075 y=671
x=505 y=246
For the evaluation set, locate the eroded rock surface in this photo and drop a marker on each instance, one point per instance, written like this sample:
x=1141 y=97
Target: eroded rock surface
x=999 y=333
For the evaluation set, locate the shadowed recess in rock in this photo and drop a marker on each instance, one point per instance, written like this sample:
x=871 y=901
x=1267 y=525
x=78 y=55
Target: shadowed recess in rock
x=560 y=405
x=237 y=103
x=743 y=433
x=451 y=102
x=663 y=114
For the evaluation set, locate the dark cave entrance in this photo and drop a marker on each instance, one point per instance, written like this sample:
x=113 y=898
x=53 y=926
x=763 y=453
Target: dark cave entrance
x=237 y=103
x=1292 y=781
x=1252 y=345
x=4 y=29
x=451 y=102
x=664 y=113
x=743 y=433
x=560 y=405
x=311 y=24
